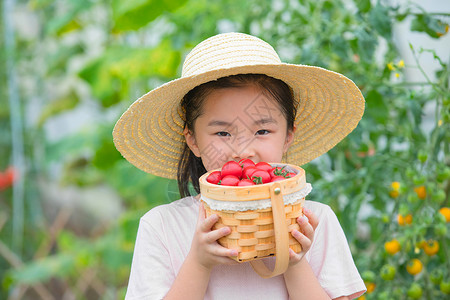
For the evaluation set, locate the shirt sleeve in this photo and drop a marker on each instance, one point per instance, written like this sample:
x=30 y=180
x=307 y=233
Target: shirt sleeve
x=151 y=273
x=331 y=259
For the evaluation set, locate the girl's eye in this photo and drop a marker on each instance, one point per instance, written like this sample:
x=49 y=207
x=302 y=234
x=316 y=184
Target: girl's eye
x=262 y=132
x=222 y=133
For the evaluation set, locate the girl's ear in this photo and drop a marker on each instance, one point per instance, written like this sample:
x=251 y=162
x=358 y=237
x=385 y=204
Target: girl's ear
x=191 y=141
x=289 y=138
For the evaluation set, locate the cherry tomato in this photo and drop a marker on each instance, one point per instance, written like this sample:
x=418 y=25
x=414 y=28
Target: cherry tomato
x=277 y=178
x=232 y=168
x=260 y=176
x=415 y=291
x=245 y=182
x=290 y=175
x=7 y=178
x=444 y=286
x=245 y=162
x=387 y=272
x=436 y=276
x=262 y=165
x=214 y=177
x=278 y=171
x=229 y=180
x=247 y=173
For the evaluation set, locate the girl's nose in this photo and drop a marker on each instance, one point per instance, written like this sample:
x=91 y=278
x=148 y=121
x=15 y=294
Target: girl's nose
x=247 y=152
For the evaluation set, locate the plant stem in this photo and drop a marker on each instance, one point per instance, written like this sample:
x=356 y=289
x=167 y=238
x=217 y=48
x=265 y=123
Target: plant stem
x=16 y=127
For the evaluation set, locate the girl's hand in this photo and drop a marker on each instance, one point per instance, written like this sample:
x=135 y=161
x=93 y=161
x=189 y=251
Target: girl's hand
x=205 y=249
x=308 y=223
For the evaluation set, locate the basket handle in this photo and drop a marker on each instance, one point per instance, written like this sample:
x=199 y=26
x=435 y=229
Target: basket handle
x=281 y=237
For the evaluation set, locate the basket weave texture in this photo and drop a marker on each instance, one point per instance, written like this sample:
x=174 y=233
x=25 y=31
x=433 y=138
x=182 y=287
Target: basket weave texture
x=252 y=231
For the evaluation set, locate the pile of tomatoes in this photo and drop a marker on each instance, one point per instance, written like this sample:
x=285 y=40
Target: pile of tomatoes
x=246 y=173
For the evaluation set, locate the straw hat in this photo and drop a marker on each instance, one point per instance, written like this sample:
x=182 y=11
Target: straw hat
x=149 y=133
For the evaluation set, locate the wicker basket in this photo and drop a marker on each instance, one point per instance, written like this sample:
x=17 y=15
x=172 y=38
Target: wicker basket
x=259 y=233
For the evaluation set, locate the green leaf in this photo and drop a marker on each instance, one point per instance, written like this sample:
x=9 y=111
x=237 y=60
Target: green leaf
x=363 y=5
x=134 y=14
x=162 y=61
x=114 y=252
x=381 y=21
x=376 y=108
x=57 y=61
x=60 y=24
x=110 y=74
x=435 y=28
x=43 y=269
x=106 y=155
x=367 y=44
x=68 y=102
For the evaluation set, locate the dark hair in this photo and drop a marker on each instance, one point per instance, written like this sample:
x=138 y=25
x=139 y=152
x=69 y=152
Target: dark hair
x=190 y=167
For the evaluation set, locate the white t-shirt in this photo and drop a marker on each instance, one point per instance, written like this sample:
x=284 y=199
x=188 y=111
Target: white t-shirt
x=164 y=239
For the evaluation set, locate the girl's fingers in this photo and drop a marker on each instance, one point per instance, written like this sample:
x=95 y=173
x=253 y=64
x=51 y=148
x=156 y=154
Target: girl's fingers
x=223 y=252
x=313 y=220
x=302 y=239
x=208 y=223
x=214 y=235
x=306 y=227
x=201 y=213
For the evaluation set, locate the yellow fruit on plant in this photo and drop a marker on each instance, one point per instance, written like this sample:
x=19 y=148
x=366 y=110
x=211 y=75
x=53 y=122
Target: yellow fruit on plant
x=414 y=266
x=421 y=192
x=408 y=219
x=394 y=193
x=395 y=185
x=404 y=220
x=431 y=247
x=392 y=247
x=370 y=286
x=445 y=211
x=400 y=220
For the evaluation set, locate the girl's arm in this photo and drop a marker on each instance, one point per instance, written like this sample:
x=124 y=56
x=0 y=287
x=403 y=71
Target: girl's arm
x=307 y=287
x=300 y=280
x=193 y=277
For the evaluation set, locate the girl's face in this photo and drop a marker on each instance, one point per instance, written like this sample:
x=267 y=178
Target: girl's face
x=239 y=123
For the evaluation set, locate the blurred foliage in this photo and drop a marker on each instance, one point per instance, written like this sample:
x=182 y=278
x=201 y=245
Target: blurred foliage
x=387 y=181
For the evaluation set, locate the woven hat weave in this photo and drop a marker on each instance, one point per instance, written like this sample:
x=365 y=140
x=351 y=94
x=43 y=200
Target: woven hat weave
x=150 y=133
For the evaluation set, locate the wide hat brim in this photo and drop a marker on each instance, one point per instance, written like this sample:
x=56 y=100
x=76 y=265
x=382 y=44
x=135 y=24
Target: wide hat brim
x=150 y=133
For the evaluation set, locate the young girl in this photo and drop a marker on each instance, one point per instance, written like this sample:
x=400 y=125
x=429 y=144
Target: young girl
x=236 y=100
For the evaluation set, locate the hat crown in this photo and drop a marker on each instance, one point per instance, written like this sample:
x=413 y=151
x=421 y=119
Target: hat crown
x=228 y=50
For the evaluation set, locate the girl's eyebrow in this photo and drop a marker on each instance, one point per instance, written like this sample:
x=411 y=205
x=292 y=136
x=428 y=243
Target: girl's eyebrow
x=218 y=123
x=256 y=122
x=265 y=121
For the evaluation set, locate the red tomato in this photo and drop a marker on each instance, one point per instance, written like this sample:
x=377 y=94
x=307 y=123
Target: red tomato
x=247 y=173
x=245 y=182
x=262 y=165
x=290 y=175
x=4 y=181
x=260 y=176
x=7 y=178
x=245 y=162
x=229 y=180
x=278 y=171
x=277 y=178
x=232 y=168
x=214 y=177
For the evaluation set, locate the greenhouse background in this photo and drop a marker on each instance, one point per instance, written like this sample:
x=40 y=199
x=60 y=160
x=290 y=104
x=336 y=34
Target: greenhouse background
x=70 y=204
